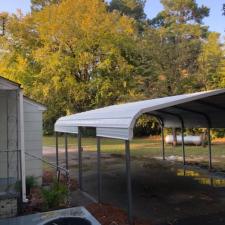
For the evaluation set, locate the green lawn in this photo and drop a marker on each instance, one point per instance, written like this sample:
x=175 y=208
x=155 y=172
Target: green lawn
x=143 y=147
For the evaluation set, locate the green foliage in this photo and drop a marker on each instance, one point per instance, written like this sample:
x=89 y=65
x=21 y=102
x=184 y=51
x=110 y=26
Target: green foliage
x=76 y=55
x=70 y=66
x=175 y=40
x=30 y=183
x=132 y=8
x=55 y=196
x=183 y=11
x=211 y=63
x=146 y=126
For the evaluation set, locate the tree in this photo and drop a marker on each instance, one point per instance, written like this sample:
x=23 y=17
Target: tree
x=177 y=35
x=211 y=63
x=37 y=5
x=132 y=8
x=184 y=11
x=68 y=56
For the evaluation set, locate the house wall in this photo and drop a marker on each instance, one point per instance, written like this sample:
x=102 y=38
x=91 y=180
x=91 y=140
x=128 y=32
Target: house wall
x=33 y=139
x=8 y=138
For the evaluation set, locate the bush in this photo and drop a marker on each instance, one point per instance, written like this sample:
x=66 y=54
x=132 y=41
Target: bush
x=55 y=196
x=30 y=183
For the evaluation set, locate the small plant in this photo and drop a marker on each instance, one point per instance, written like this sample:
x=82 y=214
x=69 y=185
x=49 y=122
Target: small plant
x=55 y=196
x=31 y=182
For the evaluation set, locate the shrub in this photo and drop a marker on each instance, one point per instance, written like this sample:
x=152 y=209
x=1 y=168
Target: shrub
x=30 y=183
x=55 y=196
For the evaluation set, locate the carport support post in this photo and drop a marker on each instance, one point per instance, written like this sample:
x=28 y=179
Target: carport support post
x=163 y=142
x=210 y=149
x=128 y=175
x=183 y=147
x=66 y=151
x=99 y=170
x=57 y=150
x=80 y=158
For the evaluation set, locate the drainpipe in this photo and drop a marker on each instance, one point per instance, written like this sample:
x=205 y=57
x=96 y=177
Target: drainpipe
x=22 y=147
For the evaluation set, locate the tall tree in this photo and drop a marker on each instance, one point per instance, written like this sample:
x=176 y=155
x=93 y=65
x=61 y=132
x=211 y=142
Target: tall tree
x=184 y=11
x=69 y=57
x=177 y=36
x=132 y=8
x=211 y=63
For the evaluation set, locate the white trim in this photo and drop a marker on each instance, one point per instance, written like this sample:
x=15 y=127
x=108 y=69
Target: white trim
x=6 y=84
x=22 y=147
x=39 y=106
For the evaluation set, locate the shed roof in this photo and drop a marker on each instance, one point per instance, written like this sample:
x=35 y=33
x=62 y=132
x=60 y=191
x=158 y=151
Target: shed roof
x=9 y=85
x=201 y=109
x=6 y=84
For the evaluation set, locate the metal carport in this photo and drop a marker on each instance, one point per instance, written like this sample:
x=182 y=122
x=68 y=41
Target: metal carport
x=197 y=110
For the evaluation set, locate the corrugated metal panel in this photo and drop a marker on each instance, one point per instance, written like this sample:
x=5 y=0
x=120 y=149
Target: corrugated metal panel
x=118 y=117
x=119 y=133
x=66 y=129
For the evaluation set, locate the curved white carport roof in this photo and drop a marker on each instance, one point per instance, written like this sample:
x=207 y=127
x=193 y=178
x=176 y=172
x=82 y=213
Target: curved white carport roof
x=201 y=109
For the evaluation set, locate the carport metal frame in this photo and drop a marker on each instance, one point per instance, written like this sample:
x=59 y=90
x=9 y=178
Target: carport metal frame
x=208 y=121
x=162 y=110
x=99 y=172
x=127 y=158
x=182 y=130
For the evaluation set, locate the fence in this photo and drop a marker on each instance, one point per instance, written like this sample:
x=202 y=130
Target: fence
x=10 y=172
x=59 y=171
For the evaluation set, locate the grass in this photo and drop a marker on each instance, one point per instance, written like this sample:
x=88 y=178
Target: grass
x=149 y=147
x=145 y=147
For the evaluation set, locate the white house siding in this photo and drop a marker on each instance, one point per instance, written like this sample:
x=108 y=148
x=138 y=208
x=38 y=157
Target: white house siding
x=8 y=136
x=33 y=139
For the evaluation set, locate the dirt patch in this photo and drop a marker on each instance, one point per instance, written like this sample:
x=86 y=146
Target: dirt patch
x=109 y=215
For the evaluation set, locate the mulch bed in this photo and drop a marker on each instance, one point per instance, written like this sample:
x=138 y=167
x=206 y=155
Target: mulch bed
x=110 y=215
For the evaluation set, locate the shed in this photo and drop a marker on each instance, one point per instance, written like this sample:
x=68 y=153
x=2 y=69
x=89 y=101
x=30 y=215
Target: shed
x=20 y=133
x=33 y=137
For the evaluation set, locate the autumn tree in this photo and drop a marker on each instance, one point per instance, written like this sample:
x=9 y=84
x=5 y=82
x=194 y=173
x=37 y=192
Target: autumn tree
x=68 y=56
x=76 y=55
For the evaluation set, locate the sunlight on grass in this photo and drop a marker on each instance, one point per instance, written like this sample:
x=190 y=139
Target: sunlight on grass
x=148 y=147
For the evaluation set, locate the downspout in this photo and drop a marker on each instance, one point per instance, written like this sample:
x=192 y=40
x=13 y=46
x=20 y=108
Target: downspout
x=22 y=147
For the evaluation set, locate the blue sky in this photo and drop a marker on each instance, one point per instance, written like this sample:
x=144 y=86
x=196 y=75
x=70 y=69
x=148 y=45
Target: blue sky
x=215 y=21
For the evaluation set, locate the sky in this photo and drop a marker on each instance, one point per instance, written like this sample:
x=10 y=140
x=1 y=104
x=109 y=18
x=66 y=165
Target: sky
x=215 y=21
